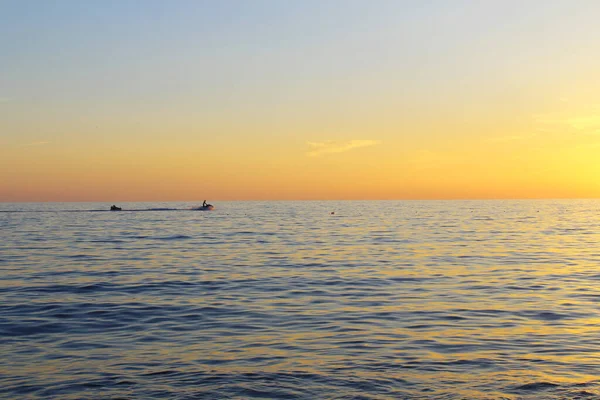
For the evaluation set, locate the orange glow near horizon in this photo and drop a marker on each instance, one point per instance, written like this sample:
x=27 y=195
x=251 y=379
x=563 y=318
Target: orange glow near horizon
x=378 y=108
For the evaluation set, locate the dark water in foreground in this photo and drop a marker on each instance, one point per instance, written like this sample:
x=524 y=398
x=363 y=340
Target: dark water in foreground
x=281 y=300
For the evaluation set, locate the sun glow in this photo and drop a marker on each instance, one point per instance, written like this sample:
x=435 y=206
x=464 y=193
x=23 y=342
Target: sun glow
x=408 y=103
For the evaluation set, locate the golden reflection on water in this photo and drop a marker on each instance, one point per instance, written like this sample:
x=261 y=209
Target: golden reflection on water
x=457 y=300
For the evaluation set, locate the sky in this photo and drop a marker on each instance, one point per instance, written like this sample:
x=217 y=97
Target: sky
x=296 y=100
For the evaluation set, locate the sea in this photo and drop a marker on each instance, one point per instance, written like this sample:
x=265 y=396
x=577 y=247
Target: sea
x=496 y=299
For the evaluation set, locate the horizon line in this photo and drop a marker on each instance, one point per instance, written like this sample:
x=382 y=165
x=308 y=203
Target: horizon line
x=309 y=200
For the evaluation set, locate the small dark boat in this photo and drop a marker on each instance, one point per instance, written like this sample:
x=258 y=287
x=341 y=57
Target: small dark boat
x=204 y=207
x=115 y=208
x=208 y=207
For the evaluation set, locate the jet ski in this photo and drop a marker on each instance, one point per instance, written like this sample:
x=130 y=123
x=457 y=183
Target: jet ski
x=204 y=207
x=208 y=207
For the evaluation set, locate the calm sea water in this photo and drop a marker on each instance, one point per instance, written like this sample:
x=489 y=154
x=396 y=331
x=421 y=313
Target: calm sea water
x=283 y=300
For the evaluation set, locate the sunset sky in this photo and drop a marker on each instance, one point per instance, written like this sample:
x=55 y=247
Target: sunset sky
x=309 y=99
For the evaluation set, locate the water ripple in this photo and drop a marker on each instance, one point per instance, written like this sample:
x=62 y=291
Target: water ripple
x=383 y=300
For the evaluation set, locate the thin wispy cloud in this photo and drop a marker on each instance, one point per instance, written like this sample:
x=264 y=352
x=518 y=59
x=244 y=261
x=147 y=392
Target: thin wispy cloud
x=316 y=149
x=579 y=123
x=585 y=122
x=552 y=124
